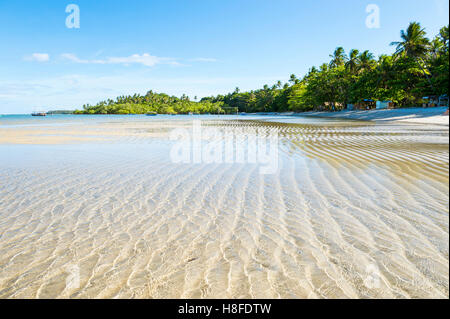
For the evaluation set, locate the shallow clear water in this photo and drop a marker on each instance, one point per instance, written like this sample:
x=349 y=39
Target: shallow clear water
x=95 y=207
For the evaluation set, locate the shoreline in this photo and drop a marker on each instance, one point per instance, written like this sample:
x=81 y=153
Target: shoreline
x=430 y=116
x=417 y=115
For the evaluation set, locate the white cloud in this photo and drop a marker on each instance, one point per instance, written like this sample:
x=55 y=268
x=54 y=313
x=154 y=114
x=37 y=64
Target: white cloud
x=144 y=59
x=73 y=58
x=38 y=57
x=204 y=60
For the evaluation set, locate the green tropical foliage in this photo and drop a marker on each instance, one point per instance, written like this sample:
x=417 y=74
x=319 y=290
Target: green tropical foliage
x=419 y=67
x=153 y=103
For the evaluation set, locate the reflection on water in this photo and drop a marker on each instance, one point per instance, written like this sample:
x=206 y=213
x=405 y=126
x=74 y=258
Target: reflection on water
x=98 y=210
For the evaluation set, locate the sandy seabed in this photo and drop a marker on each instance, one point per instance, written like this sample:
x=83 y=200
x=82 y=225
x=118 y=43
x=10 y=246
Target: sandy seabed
x=99 y=210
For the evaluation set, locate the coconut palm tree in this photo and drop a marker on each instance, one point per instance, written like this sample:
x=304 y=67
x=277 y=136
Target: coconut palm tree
x=414 y=41
x=436 y=47
x=415 y=45
x=444 y=35
x=323 y=68
x=338 y=57
x=366 y=61
x=384 y=70
x=353 y=61
x=292 y=79
x=279 y=84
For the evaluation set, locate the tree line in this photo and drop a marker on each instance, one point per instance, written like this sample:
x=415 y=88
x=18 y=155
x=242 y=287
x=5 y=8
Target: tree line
x=419 y=67
x=153 y=103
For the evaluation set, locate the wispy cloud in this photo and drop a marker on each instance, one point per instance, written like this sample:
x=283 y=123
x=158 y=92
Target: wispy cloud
x=73 y=58
x=143 y=59
x=38 y=57
x=204 y=60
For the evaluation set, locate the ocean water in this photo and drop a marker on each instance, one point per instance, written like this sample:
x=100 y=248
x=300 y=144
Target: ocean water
x=96 y=207
x=27 y=120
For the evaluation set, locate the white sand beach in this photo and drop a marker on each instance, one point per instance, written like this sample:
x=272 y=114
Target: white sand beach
x=158 y=150
x=432 y=115
x=98 y=210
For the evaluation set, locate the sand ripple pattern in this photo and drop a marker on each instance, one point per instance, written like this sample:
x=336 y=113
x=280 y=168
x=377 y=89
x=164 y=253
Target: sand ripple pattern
x=356 y=210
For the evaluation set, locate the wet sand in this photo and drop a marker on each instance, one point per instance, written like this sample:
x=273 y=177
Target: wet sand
x=98 y=210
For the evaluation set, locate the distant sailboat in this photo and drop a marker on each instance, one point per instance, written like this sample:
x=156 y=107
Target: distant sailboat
x=38 y=112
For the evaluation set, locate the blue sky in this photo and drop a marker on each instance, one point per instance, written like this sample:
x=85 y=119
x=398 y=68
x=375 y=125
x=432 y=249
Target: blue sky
x=195 y=47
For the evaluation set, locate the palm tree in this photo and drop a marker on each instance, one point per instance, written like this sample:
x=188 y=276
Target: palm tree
x=415 y=45
x=444 y=34
x=313 y=70
x=311 y=73
x=293 y=79
x=323 y=67
x=353 y=61
x=436 y=47
x=384 y=70
x=338 y=57
x=279 y=84
x=366 y=60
